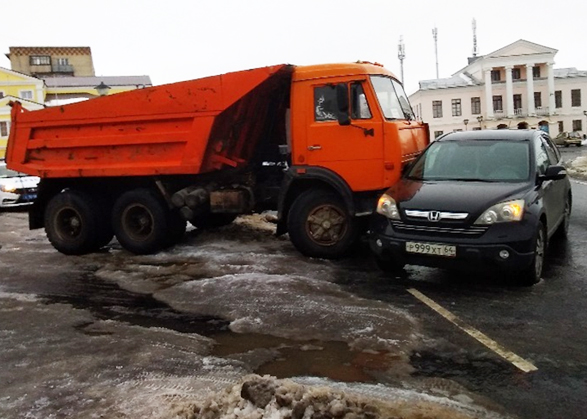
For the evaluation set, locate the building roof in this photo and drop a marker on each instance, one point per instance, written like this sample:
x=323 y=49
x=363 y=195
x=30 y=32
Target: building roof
x=49 y=51
x=457 y=80
x=571 y=72
x=112 y=81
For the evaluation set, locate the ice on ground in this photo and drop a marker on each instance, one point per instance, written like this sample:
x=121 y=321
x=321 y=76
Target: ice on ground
x=256 y=397
x=298 y=308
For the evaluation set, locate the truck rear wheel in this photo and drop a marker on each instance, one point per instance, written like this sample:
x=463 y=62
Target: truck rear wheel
x=320 y=226
x=141 y=221
x=74 y=223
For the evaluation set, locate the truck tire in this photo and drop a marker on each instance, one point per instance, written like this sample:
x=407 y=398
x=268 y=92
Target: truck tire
x=320 y=226
x=74 y=223
x=141 y=221
x=210 y=220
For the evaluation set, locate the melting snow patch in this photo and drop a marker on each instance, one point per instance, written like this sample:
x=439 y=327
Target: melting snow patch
x=266 y=397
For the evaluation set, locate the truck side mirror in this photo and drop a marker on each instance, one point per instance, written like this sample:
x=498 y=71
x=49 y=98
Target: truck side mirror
x=342 y=102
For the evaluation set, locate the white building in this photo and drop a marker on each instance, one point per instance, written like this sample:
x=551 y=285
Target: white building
x=514 y=84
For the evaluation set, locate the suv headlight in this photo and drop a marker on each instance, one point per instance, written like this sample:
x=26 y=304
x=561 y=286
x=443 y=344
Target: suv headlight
x=387 y=206
x=502 y=213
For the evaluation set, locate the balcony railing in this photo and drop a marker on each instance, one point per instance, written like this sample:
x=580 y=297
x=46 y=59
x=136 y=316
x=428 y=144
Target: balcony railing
x=542 y=111
x=61 y=68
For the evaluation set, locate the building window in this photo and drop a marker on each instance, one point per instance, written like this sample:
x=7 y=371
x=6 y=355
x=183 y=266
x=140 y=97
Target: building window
x=497 y=104
x=3 y=129
x=438 y=133
x=456 y=107
x=576 y=97
x=537 y=99
x=517 y=102
x=40 y=60
x=437 y=108
x=536 y=72
x=475 y=105
x=62 y=61
x=516 y=74
x=561 y=126
x=26 y=94
x=577 y=125
x=495 y=75
x=558 y=99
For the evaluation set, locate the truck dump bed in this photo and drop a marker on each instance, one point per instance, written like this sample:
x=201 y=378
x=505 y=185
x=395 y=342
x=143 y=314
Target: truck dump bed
x=188 y=127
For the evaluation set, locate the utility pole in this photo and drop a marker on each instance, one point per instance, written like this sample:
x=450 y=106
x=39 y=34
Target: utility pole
x=435 y=36
x=474 y=38
x=401 y=54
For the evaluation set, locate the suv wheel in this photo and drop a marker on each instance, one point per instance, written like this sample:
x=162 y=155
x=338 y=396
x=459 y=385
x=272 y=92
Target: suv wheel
x=531 y=275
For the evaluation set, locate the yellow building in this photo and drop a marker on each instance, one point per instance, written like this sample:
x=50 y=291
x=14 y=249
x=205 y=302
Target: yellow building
x=17 y=86
x=54 y=76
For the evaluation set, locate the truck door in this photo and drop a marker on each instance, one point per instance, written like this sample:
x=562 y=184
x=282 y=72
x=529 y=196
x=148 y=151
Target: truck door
x=354 y=152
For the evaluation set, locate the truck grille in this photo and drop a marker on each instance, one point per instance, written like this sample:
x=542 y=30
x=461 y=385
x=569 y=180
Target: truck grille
x=436 y=230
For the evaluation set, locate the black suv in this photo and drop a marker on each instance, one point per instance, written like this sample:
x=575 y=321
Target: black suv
x=477 y=200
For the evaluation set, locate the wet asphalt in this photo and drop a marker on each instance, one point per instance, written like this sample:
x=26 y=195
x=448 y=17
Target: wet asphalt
x=544 y=324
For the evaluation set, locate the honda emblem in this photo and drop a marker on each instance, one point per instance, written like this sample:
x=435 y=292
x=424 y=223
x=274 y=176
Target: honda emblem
x=434 y=216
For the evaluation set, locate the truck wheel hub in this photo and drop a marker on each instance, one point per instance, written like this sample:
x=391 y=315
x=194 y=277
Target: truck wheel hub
x=325 y=225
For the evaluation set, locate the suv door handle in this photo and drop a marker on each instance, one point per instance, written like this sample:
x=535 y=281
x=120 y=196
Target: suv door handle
x=314 y=147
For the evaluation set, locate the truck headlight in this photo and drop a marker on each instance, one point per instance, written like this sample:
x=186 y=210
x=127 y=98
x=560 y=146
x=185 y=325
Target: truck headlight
x=502 y=213
x=387 y=206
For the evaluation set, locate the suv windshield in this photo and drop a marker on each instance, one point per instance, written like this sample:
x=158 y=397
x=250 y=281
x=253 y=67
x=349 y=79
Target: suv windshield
x=392 y=98
x=479 y=160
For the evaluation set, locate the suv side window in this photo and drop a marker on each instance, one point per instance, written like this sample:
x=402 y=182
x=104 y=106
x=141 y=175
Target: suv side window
x=541 y=156
x=551 y=149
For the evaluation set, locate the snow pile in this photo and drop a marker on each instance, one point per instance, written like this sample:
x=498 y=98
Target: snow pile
x=265 y=397
x=578 y=167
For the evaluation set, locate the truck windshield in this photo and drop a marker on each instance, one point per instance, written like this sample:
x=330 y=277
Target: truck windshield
x=392 y=98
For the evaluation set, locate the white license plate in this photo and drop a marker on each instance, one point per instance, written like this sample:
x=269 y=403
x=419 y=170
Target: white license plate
x=436 y=249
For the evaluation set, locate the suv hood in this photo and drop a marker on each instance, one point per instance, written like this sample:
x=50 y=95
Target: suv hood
x=454 y=196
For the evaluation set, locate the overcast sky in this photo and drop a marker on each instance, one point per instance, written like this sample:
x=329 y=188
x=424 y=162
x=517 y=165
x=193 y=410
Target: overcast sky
x=176 y=40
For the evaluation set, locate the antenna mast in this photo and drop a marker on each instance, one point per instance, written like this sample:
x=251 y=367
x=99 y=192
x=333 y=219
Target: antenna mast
x=435 y=36
x=401 y=54
x=474 y=38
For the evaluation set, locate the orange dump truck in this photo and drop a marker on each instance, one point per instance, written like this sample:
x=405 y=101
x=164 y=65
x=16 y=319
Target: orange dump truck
x=316 y=143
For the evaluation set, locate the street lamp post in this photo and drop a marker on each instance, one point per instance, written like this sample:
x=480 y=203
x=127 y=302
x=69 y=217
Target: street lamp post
x=466 y=122
x=102 y=89
x=480 y=120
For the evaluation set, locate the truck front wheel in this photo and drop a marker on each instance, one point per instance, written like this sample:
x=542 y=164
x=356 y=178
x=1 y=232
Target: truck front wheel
x=74 y=223
x=141 y=221
x=320 y=226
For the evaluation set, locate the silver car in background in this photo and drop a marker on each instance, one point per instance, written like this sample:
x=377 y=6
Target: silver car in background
x=16 y=188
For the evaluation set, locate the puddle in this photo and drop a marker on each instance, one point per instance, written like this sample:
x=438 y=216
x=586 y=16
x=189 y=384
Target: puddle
x=282 y=358
x=334 y=360
x=107 y=301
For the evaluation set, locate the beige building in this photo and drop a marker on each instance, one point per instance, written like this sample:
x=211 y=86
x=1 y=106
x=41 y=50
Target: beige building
x=517 y=83
x=52 y=61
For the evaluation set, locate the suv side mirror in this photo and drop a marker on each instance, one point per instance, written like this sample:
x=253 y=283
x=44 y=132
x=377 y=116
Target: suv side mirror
x=555 y=172
x=342 y=102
